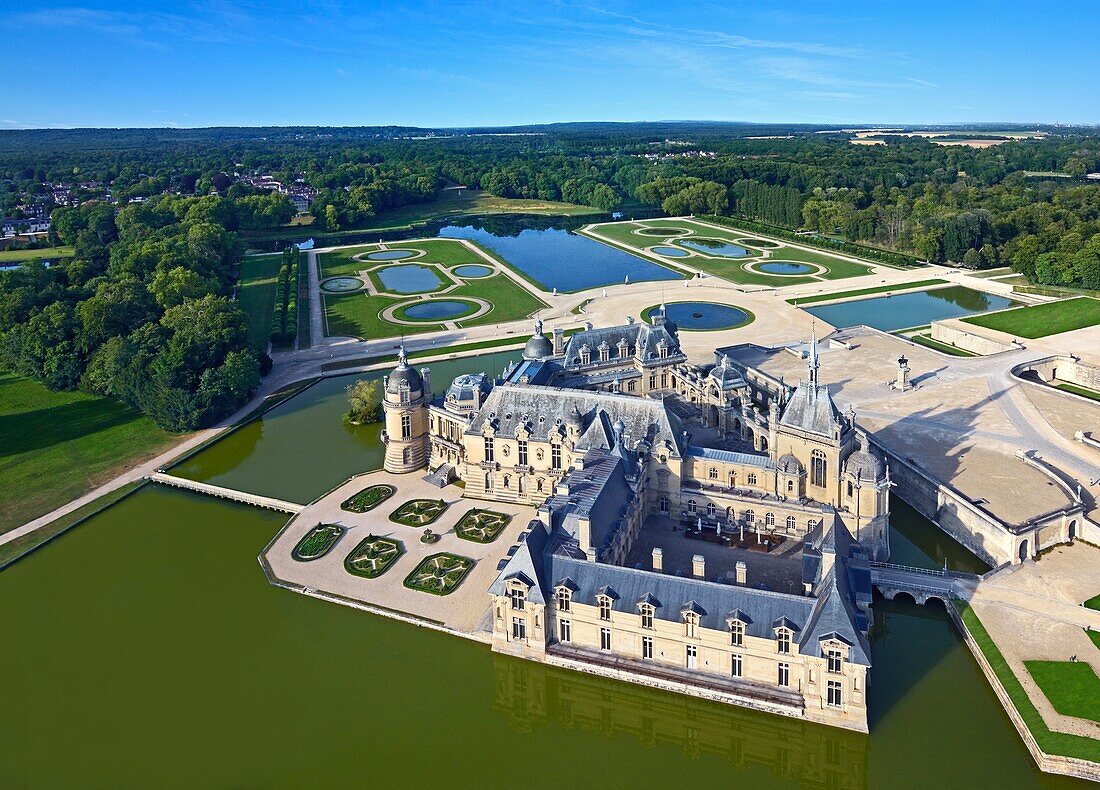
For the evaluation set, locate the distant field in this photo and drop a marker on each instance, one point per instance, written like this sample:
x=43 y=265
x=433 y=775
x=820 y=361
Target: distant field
x=1042 y=320
x=736 y=270
x=47 y=253
x=256 y=295
x=58 y=445
x=865 y=292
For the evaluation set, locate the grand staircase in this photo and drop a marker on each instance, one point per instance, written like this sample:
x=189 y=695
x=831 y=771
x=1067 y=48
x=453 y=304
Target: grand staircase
x=441 y=476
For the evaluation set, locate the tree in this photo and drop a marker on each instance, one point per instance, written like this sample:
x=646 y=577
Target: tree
x=364 y=402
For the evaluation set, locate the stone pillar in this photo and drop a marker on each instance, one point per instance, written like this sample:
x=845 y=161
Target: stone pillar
x=742 y=572
x=559 y=341
x=658 y=559
x=699 y=566
x=902 y=382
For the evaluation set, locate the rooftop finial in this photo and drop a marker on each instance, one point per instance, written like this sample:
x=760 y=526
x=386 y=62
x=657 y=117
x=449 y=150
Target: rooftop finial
x=813 y=363
x=402 y=357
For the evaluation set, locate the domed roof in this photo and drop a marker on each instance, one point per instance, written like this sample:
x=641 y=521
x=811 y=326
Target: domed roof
x=789 y=465
x=864 y=465
x=539 y=345
x=404 y=376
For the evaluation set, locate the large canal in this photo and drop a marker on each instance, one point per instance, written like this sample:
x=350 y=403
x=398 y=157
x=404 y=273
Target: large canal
x=146 y=649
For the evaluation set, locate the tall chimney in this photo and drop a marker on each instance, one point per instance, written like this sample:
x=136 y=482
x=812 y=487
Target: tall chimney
x=559 y=341
x=658 y=559
x=699 y=566
x=742 y=573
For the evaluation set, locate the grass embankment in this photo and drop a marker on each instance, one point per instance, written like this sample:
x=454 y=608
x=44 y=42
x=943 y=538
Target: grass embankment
x=25 y=544
x=1042 y=320
x=256 y=294
x=451 y=203
x=59 y=445
x=1049 y=741
x=1071 y=687
x=1084 y=392
x=1093 y=603
x=929 y=342
x=917 y=285
x=43 y=253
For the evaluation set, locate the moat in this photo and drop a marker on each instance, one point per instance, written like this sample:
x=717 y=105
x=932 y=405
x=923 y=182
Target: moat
x=167 y=578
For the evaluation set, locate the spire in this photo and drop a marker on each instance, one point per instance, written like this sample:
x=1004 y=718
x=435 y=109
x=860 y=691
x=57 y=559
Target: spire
x=813 y=363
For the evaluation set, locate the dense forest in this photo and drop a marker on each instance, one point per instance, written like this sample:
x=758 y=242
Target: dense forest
x=143 y=310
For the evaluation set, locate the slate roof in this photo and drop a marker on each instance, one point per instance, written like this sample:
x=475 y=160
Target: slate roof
x=599 y=491
x=541 y=409
x=527 y=561
x=641 y=338
x=811 y=409
x=730 y=457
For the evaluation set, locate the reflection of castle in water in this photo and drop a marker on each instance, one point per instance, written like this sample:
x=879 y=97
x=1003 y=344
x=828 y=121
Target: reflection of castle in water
x=533 y=694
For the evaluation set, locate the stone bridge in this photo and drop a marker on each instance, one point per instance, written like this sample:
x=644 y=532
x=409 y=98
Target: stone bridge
x=226 y=493
x=922 y=584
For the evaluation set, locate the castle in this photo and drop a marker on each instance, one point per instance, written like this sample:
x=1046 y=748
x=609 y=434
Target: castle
x=706 y=529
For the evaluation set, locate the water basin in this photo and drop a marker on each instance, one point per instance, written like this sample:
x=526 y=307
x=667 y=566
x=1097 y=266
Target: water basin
x=703 y=315
x=390 y=255
x=436 y=310
x=342 y=284
x=661 y=231
x=890 y=313
x=714 y=247
x=409 y=278
x=472 y=270
x=671 y=252
x=784 y=267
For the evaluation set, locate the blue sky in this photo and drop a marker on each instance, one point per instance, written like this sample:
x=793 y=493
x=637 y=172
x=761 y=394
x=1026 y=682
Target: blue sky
x=496 y=63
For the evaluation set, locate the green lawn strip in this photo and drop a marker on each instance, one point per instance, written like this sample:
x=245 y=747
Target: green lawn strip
x=510 y=300
x=444 y=252
x=838 y=295
x=1071 y=687
x=359 y=315
x=1084 y=392
x=317 y=542
x=57 y=446
x=256 y=285
x=984 y=273
x=1094 y=636
x=730 y=269
x=368 y=499
x=25 y=544
x=373 y=556
x=42 y=253
x=1050 y=742
x=1041 y=320
x=439 y=574
x=1093 y=603
x=305 y=329
x=929 y=342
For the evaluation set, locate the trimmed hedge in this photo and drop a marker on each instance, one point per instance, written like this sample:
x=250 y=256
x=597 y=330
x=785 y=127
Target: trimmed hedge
x=284 y=324
x=889 y=257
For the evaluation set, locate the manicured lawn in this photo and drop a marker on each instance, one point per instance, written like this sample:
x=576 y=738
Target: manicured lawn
x=46 y=253
x=56 y=446
x=481 y=526
x=1076 y=390
x=368 y=499
x=439 y=574
x=419 y=512
x=373 y=556
x=256 y=287
x=926 y=340
x=1093 y=603
x=1071 y=687
x=1095 y=637
x=1041 y=320
x=1049 y=741
x=445 y=252
x=317 y=542
x=919 y=284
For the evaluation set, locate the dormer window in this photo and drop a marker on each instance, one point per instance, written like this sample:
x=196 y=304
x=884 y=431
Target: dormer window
x=783 y=640
x=624 y=349
x=605 y=352
x=691 y=624
x=518 y=597
x=604 y=603
x=646 y=610
x=835 y=661
x=737 y=633
x=586 y=355
x=564 y=597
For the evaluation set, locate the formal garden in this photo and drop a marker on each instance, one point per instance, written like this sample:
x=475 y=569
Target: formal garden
x=439 y=574
x=482 y=526
x=317 y=542
x=419 y=512
x=368 y=499
x=373 y=556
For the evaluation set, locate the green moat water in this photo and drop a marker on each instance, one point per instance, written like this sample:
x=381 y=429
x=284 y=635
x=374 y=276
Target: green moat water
x=146 y=649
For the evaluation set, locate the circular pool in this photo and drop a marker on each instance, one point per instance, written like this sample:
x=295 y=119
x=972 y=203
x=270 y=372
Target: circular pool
x=437 y=310
x=339 y=285
x=785 y=267
x=661 y=231
x=472 y=270
x=703 y=316
x=670 y=252
x=390 y=255
x=714 y=247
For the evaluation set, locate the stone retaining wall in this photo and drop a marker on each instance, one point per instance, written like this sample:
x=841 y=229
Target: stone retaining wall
x=1063 y=368
x=953 y=334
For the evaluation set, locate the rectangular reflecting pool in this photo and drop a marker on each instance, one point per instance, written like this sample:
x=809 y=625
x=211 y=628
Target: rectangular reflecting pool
x=558 y=258
x=890 y=313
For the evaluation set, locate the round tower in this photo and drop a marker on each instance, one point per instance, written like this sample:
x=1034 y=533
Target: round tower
x=405 y=407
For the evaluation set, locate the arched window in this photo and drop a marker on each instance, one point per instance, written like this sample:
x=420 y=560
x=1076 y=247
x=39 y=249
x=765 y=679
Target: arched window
x=488 y=482
x=810 y=524
x=605 y=607
x=646 y=611
x=737 y=633
x=790 y=486
x=711 y=509
x=769 y=520
x=691 y=624
x=713 y=473
x=564 y=597
x=750 y=517
x=818 y=468
x=692 y=506
x=790 y=523
x=733 y=479
x=783 y=640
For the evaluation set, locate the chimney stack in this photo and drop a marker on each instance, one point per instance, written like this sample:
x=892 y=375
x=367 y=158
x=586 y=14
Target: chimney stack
x=658 y=559
x=742 y=573
x=699 y=566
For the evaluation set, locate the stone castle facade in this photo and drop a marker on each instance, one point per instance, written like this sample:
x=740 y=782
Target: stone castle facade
x=619 y=443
